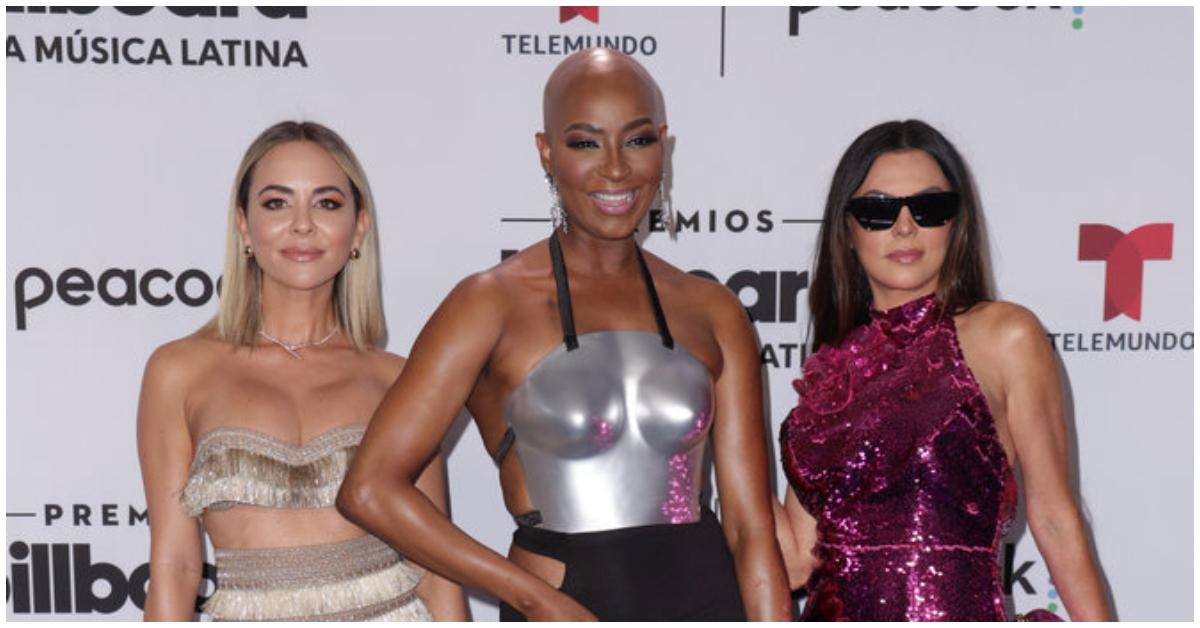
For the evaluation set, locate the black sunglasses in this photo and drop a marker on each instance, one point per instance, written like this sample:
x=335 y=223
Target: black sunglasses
x=876 y=213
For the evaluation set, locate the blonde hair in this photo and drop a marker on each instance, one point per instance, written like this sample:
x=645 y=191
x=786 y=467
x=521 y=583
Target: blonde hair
x=357 y=302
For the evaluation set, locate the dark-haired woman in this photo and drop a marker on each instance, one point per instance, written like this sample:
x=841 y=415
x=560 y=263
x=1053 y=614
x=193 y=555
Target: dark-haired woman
x=922 y=394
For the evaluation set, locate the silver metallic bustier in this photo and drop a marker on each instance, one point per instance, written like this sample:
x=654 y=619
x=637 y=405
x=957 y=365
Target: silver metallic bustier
x=612 y=435
x=611 y=426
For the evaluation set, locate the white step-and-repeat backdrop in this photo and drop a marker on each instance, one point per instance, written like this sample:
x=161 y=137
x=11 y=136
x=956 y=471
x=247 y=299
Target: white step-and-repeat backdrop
x=125 y=127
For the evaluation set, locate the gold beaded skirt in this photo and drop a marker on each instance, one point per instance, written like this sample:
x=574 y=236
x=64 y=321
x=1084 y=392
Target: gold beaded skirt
x=358 y=580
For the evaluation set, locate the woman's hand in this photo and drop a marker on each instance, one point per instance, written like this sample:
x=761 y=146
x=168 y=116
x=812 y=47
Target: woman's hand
x=796 y=531
x=443 y=597
x=557 y=606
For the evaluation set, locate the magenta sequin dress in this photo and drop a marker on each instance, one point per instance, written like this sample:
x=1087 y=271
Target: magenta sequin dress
x=893 y=450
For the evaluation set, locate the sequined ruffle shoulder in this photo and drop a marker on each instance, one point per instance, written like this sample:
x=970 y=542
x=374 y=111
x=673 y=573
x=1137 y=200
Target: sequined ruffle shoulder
x=831 y=374
x=235 y=465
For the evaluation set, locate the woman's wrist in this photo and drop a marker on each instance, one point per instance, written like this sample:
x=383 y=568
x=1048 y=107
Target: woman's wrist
x=529 y=594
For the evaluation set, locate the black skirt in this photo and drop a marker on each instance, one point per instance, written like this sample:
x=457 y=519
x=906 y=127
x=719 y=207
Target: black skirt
x=669 y=572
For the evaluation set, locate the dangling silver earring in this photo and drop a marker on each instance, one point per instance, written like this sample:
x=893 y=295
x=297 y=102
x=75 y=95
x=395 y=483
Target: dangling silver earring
x=558 y=216
x=665 y=211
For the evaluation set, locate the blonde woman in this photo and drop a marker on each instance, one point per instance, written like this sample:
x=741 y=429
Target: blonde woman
x=249 y=424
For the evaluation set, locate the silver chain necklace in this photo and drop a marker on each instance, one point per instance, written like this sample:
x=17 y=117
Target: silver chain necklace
x=294 y=348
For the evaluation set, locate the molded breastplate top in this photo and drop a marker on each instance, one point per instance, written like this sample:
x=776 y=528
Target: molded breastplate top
x=612 y=435
x=611 y=426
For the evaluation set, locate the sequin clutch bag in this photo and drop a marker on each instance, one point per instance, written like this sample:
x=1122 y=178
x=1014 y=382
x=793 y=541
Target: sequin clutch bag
x=1039 y=614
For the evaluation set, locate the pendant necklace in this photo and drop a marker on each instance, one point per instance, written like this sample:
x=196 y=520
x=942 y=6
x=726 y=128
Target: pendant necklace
x=294 y=348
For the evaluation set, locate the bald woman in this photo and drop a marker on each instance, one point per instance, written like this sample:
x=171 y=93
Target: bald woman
x=596 y=374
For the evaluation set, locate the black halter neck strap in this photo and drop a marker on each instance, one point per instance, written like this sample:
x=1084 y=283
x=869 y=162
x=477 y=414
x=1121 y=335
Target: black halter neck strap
x=566 y=315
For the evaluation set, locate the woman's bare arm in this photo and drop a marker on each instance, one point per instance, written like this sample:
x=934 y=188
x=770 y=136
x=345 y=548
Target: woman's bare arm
x=165 y=453
x=797 y=534
x=379 y=492
x=442 y=596
x=1034 y=411
x=740 y=455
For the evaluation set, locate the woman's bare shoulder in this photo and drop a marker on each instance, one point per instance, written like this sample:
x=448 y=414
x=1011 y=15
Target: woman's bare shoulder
x=670 y=274
x=1003 y=323
x=531 y=261
x=493 y=292
x=706 y=297
x=385 y=364
x=1005 y=340
x=188 y=356
x=176 y=370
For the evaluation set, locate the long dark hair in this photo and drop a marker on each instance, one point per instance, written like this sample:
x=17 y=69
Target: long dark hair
x=840 y=296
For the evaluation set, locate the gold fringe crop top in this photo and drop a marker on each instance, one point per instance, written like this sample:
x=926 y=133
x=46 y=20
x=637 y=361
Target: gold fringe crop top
x=236 y=465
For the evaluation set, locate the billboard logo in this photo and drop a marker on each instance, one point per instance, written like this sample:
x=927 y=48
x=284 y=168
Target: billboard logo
x=591 y=14
x=1123 y=255
x=61 y=578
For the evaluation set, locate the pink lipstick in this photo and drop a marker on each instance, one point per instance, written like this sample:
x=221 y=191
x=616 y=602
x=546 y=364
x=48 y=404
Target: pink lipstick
x=614 y=203
x=301 y=254
x=906 y=256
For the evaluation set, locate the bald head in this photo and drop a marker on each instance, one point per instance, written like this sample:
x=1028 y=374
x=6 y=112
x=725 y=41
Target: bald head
x=596 y=68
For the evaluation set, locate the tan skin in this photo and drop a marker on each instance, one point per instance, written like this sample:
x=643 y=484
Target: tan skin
x=603 y=134
x=301 y=224
x=1006 y=349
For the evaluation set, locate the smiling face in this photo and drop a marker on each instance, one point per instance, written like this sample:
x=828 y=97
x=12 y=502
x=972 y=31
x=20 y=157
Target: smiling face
x=603 y=143
x=301 y=220
x=903 y=262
